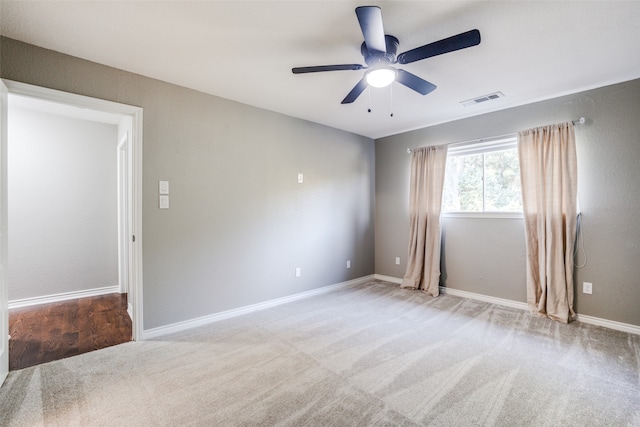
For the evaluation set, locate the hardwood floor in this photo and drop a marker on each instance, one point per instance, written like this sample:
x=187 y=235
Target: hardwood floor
x=47 y=332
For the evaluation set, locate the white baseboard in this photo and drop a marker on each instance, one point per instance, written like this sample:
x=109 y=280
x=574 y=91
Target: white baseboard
x=597 y=321
x=388 y=278
x=485 y=298
x=216 y=317
x=611 y=324
x=26 y=302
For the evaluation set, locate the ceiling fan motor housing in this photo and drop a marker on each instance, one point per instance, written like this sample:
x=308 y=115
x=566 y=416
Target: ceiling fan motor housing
x=389 y=57
x=379 y=51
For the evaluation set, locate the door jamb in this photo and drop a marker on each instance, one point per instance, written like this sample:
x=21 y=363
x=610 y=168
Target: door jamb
x=124 y=192
x=4 y=286
x=135 y=226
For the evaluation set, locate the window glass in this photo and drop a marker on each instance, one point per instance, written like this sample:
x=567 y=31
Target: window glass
x=488 y=181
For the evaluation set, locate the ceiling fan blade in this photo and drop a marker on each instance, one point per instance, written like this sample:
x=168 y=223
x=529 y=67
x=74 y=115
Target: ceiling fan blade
x=414 y=82
x=355 y=92
x=450 y=44
x=319 y=68
x=370 y=19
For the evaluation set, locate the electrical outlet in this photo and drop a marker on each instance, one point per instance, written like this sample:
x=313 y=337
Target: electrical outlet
x=348 y=263
x=587 y=287
x=297 y=271
x=397 y=260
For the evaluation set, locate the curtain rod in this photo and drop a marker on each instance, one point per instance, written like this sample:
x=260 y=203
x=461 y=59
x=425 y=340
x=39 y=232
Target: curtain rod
x=580 y=121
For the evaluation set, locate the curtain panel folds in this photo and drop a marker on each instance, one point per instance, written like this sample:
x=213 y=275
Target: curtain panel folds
x=425 y=203
x=548 y=172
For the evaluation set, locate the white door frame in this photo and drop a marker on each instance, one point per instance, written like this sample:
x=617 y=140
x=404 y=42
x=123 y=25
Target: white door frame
x=134 y=178
x=123 y=212
x=4 y=287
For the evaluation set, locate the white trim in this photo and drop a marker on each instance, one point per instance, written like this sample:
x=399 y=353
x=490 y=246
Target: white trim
x=135 y=254
x=583 y=318
x=123 y=167
x=4 y=285
x=136 y=143
x=216 y=317
x=60 y=97
x=130 y=310
x=65 y=296
x=484 y=215
x=388 y=278
x=483 y=145
x=611 y=324
x=485 y=298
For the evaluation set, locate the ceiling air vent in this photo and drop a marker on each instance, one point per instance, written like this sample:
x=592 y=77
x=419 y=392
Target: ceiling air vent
x=483 y=98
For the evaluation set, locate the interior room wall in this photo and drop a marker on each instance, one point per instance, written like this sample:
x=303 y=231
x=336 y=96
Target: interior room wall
x=62 y=205
x=486 y=256
x=239 y=223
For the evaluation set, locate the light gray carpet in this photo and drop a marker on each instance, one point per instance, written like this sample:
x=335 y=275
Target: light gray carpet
x=371 y=354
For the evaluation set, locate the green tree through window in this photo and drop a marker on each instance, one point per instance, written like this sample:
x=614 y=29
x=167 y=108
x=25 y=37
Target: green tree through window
x=488 y=181
x=502 y=181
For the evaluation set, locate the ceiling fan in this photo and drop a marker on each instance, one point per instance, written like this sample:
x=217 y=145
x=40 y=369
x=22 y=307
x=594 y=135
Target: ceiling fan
x=379 y=52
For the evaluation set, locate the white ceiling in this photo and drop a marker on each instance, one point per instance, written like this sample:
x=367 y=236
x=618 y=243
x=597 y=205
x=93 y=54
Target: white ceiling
x=244 y=51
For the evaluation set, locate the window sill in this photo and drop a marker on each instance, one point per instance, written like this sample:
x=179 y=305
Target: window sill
x=486 y=215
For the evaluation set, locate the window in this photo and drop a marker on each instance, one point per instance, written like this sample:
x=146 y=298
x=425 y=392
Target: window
x=483 y=177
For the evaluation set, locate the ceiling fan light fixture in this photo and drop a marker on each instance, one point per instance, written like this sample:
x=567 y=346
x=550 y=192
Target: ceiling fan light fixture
x=381 y=76
x=379 y=52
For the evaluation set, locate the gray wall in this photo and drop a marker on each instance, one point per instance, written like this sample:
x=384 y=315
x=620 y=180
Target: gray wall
x=486 y=256
x=62 y=204
x=239 y=223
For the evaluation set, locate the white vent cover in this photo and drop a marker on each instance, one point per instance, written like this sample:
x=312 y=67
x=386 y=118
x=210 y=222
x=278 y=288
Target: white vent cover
x=483 y=98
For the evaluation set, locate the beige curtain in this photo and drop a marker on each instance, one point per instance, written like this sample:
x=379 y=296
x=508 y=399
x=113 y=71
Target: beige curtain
x=427 y=179
x=548 y=171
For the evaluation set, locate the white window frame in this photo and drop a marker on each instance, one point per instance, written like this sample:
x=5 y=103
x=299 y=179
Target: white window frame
x=481 y=146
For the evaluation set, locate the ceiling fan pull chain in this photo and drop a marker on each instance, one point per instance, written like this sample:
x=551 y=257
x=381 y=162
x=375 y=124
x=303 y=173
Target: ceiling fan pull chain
x=369 y=93
x=391 y=99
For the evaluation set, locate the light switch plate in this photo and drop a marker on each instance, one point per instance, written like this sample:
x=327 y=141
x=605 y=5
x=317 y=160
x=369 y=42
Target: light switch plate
x=163 y=187
x=300 y=178
x=164 y=202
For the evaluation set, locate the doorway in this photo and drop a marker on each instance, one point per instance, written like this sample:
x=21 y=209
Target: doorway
x=128 y=154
